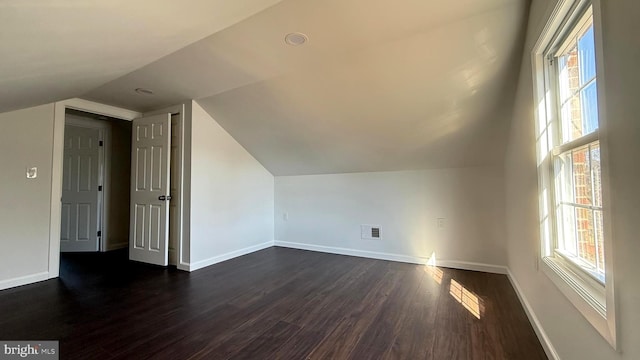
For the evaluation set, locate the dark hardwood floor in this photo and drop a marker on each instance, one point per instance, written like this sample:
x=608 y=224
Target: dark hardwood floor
x=273 y=304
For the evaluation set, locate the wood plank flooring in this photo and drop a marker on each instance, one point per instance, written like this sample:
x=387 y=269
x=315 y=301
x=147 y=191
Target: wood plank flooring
x=273 y=304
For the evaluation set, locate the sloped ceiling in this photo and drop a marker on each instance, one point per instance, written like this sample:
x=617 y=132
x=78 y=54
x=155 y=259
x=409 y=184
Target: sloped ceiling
x=57 y=49
x=381 y=84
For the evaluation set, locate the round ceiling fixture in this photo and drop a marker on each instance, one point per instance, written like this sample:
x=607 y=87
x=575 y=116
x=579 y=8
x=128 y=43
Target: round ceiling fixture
x=296 y=38
x=144 y=91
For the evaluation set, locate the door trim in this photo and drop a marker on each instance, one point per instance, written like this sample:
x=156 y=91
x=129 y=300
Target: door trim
x=57 y=157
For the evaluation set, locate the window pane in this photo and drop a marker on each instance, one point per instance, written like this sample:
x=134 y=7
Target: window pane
x=589 y=100
x=564 y=178
x=587 y=57
x=567 y=230
x=581 y=176
x=571 y=119
x=596 y=174
x=599 y=232
x=585 y=233
x=564 y=83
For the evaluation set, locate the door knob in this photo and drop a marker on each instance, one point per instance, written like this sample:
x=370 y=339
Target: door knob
x=164 y=197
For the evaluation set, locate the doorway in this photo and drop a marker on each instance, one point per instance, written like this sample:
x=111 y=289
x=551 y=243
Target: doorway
x=95 y=183
x=101 y=221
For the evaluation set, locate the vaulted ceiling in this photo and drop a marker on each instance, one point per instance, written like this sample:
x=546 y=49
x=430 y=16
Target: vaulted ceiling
x=56 y=49
x=380 y=85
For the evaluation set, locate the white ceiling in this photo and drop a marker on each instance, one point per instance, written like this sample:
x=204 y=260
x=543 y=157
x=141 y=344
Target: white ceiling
x=56 y=49
x=381 y=85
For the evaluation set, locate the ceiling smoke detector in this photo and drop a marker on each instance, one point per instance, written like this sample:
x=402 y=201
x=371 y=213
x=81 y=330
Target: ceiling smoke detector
x=296 y=38
x=144 y=91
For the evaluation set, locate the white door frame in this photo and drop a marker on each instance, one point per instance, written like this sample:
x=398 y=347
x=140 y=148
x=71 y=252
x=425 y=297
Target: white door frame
x=57 y=157
x=104 y=170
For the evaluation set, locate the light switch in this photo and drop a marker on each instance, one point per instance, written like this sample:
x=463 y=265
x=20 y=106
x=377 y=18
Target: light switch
x=32 y=173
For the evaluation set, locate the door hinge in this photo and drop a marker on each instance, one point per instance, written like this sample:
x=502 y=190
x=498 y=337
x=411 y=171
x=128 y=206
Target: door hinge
x=99 y=187
x=99 y=233
x=100 y=143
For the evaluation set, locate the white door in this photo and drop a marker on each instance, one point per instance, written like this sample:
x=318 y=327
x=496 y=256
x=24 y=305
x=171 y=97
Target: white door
x=150 y=155
x=80 y=189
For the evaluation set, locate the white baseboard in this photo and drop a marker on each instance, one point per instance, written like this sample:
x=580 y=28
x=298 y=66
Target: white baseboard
x=224 y=257
x=474 y=266
x=353 y=252
x=464 y=265
x=24 y=280
x=533 y=319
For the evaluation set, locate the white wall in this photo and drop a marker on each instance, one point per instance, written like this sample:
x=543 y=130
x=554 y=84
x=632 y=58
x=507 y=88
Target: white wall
x=26 y=140
x=571 y=335
x=326 y=211
x=231 y=195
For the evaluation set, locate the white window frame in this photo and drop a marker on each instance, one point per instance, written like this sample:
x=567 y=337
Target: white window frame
x=594 y=300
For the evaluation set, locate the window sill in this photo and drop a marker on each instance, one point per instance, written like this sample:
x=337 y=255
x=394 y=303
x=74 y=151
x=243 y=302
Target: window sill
x=583 y=270
x=587 y=297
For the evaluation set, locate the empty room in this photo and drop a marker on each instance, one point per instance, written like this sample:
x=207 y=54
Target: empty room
x=320 y=179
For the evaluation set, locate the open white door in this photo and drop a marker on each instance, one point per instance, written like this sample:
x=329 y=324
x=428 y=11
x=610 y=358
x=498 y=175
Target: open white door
x=150 y=155
x=80 y=189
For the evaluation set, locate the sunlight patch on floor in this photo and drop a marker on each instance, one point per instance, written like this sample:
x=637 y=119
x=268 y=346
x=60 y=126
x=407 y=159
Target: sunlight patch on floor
x=469 y=300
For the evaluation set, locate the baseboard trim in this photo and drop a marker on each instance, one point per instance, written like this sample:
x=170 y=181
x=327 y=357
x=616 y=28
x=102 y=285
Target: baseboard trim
x=353 y=252
x=224 y=257
x=24 y=280
x=473 y=266
x=533 y=319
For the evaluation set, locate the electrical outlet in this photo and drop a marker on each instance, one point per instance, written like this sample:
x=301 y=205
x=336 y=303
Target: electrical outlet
x=285 y=216
x=440 y=223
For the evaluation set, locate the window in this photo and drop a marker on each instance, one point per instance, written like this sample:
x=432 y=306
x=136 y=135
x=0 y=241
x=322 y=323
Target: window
x=574 y=246
x=576 y=153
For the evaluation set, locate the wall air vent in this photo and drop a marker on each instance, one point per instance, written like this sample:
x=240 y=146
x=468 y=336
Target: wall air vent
x=370 y=232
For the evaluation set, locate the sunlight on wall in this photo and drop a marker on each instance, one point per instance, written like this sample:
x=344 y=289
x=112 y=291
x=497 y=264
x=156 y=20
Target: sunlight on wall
x=432 y=270
x=432 y=260
x=469 y=300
